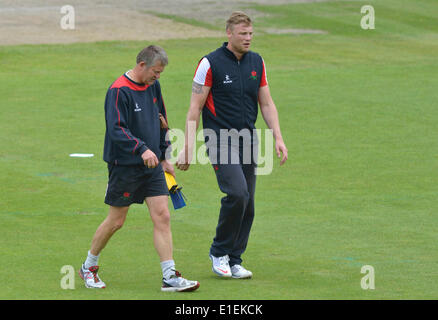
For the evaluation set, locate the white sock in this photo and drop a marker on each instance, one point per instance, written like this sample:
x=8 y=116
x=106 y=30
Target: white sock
x=91 y=261
x=168 y=268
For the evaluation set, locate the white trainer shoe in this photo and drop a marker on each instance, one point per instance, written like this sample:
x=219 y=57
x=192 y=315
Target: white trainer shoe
x=239 y=272
x=220 y=266
x=177 y=283
x=90 y=277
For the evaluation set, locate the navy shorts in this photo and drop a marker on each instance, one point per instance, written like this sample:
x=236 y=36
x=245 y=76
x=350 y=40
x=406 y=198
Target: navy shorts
x=132 y=184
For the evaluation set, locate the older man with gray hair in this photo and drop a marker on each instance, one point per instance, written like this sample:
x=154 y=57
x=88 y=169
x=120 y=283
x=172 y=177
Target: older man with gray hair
x=135 y=147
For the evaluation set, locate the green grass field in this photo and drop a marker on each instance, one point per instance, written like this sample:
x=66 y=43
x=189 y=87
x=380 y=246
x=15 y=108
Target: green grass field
x=358 y=110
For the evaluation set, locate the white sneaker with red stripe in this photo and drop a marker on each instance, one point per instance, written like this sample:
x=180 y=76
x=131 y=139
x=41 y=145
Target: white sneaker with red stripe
x=90 y=277
x=220 y=266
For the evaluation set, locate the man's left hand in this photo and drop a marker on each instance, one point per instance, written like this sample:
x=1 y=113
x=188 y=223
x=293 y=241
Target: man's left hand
x=281 y=150
x=168 y=167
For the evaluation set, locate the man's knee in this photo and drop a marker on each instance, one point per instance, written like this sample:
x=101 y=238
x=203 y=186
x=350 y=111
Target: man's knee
x=239 y=195
x=118 y=224
x=117 y=217
x=159 y=211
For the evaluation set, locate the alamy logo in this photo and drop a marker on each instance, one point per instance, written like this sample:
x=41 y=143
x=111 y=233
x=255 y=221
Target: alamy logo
x=68 y=21
x=137 y=107
x=226 y=147
x=68 y=280
x=227 y=79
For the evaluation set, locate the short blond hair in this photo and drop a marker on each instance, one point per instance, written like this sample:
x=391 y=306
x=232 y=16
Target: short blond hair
x=238 y=17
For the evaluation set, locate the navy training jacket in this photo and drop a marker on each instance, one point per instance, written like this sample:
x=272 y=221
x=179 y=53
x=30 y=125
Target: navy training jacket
x=132 y=122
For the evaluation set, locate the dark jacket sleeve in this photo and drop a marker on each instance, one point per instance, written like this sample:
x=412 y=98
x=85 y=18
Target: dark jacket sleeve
x=116 y=116
x=165 y=145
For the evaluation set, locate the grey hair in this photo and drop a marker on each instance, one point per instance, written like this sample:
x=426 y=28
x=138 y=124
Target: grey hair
x=151 y=54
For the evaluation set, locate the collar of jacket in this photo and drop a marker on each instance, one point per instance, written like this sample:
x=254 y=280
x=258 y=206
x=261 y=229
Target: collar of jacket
x=230 y=54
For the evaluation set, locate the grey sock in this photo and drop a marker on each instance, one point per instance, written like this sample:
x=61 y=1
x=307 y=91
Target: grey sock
x=92 y=260
x=168 y=268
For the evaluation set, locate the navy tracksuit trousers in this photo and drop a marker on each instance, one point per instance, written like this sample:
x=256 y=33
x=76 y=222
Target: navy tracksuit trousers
x=236 y=216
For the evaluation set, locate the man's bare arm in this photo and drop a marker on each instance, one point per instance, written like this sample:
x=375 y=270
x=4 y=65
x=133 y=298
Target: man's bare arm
x=270 y=115
x=196 y=88
x=197 y=102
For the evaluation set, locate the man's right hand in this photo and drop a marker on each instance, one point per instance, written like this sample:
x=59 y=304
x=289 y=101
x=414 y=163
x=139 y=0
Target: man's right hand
x=150 y=159
x=183 y=161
